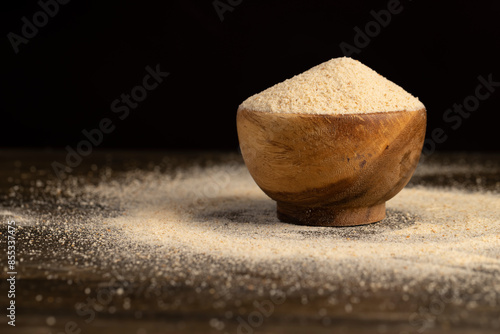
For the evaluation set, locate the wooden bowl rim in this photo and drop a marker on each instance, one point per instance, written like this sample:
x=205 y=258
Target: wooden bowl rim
x=333 y=115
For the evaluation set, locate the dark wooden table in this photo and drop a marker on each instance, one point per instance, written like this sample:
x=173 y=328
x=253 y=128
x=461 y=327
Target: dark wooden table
x=53 y=278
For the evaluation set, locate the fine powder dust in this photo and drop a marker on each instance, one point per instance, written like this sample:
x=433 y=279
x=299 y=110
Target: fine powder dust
x=338 y=86
x=205 y=237
x=429 y=233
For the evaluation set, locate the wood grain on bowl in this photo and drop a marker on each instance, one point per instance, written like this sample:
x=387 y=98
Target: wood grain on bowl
x=331 y=170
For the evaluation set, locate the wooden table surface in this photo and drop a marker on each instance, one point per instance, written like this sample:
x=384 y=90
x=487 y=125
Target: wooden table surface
x=53 y=279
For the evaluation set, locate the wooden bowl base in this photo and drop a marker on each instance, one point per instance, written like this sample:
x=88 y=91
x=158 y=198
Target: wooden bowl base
x=330 y=216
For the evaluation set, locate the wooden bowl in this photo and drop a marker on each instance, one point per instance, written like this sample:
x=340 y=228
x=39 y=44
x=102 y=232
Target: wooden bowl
x=331 y=170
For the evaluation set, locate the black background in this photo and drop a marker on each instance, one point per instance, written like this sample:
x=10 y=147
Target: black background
x=65 y=78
